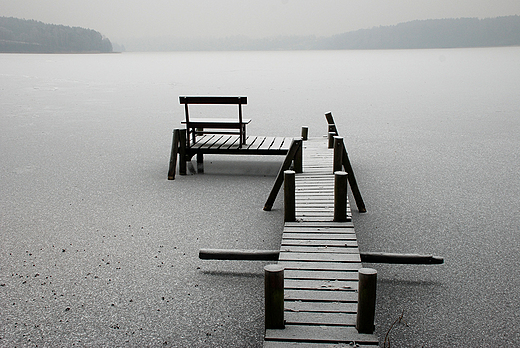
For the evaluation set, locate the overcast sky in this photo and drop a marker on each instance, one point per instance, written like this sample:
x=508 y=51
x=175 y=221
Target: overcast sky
x=123 y=19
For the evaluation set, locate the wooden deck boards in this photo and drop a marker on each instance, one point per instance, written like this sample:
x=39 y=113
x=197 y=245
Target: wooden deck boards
x=321 y=261
x=229 y=144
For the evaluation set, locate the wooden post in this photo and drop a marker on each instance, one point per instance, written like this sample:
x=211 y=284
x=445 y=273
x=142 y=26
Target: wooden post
x=331 y=140
x=305 y=133
x=182 y=151
x=173 y=155
x=352 y=181
x=274 y=297
x=333 y=129
x=279 y=178
x=331 y=123
x=340 y=196
x=366 y=300
x=200 y=162
x=338 y=154
x=298 y=157
x=330 y=119
x=289 y=203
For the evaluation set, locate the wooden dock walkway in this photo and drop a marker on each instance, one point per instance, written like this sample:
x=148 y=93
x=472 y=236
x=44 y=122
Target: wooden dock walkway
x=230 y=144
x=321 y=261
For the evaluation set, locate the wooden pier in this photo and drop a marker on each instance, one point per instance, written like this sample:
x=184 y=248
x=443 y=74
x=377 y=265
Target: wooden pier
x=221 y=144
x=321 y=261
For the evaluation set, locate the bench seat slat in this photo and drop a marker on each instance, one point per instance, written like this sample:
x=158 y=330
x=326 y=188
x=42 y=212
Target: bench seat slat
x=212 y=100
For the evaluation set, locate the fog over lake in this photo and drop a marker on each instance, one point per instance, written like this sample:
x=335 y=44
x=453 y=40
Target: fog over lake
x=98 y=248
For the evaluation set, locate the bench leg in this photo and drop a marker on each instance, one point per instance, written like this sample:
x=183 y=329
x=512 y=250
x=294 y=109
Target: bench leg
x=200 y=162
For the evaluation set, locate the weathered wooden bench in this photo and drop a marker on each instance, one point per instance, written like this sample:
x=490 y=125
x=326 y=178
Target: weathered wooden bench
x=201 y=126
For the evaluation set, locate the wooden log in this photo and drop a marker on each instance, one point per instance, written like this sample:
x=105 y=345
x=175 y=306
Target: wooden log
x=173 y=155
x=305 y=133
x=274 y=297
x=340 y=196
x=279 y=178
x=289 y=200
x=338 y=154
x=182 y=151
x=379 y=257
x=239 y=254
x=273 y=255
x=366 y=300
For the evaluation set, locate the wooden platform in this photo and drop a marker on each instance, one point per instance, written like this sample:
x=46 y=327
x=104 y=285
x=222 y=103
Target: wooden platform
x=230 y=144
x=321 y=261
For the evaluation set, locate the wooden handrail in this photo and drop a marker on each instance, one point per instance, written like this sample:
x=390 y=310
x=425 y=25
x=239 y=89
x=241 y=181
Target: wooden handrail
x=348 y=168
x=292 y=155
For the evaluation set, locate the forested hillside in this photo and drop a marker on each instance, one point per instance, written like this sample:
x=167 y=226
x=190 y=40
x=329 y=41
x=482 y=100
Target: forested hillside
x=434 y=33
x=29 y=36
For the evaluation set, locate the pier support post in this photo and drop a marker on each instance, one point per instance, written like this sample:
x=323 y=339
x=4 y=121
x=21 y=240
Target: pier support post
x=338 y=154
x=340 y=196
x=289 y=200
x=200 y=163
x=173 y=155
x=274 y=297
x=182 y=151
x=366 y=300
x=305 y=133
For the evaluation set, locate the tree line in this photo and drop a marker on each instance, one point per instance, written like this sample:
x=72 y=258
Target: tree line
x=29 y=36
x=433 y=33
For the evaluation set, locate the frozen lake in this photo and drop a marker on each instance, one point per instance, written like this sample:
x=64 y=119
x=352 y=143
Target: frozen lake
x=97 y=248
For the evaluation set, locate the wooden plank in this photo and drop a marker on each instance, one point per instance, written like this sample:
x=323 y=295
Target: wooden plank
x=320 y=284
x=277 y=143
x=322 y=307
x=285 y=344
x=318 y=318
x=225 y=141
x=313 y=274
x=319 y=249
x=321 y=266
x=201 y=141
x=215 y=142
x=266 y=144
x=253 y=142
x=327 y=334
x=319 y=257
x=347 y=228
x=286 y=143
x=319 y=243
x=320 y=295
x=317 y=236
x=314 y=224
x=234 y=143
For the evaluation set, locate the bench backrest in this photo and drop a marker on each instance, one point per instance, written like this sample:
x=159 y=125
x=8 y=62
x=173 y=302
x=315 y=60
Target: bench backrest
x=212 y=100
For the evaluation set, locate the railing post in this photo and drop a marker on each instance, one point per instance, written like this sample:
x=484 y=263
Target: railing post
x=289 y=158
x=340 y=196
x=289 y=187
x=274 y=297
x=305 y=133
x=338 y=154
x=331 y=140
x=366 y=300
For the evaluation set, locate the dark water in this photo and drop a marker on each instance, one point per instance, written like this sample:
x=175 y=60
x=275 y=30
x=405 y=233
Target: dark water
x=98 y=248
